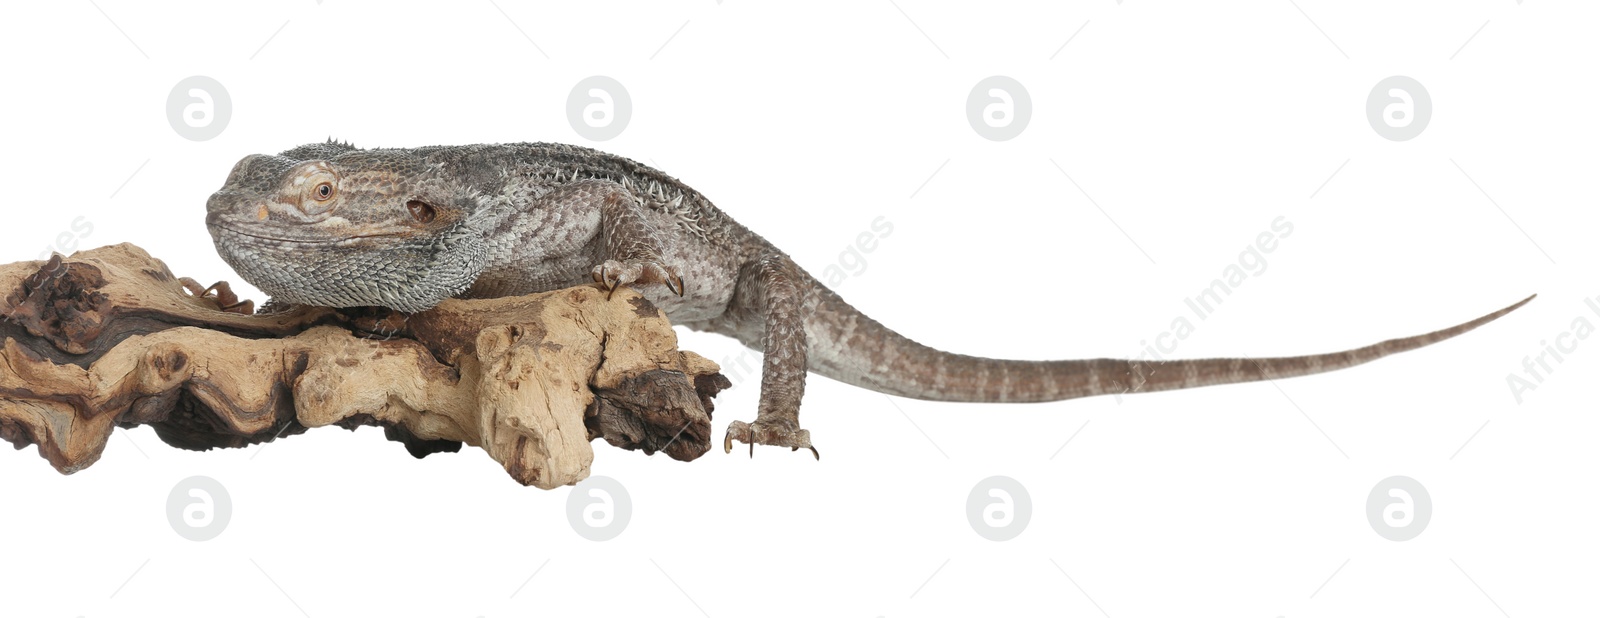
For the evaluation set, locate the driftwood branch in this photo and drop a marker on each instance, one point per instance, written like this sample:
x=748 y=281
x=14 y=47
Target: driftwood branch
x=110 y=338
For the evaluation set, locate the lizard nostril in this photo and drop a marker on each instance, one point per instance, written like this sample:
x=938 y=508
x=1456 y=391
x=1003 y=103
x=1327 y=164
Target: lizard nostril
x=261 y=213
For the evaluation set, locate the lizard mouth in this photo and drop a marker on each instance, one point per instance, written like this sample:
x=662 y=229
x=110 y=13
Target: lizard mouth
x=303 y=241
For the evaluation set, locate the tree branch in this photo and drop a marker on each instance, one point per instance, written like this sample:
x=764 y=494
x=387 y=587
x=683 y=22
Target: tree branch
x=108 y=338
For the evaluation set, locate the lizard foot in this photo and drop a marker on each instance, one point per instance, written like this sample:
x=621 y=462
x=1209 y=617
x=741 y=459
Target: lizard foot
x=614 y=274
x=774 y=433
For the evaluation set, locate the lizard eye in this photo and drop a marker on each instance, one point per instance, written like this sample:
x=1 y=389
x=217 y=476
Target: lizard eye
x=420 y=211
x=323 y=191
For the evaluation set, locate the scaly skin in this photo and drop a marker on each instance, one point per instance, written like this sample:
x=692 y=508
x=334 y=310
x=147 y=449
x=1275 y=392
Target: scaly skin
x=330 y=224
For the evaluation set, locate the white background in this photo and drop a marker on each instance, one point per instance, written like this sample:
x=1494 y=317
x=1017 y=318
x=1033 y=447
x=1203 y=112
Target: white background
x=1192 y=128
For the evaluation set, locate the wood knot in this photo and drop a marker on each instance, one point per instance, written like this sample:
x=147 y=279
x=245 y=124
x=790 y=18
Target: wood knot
x=61 y=303
x=643 y=308
x=167 y=360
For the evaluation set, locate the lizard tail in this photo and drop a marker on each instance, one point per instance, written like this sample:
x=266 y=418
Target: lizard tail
x=850 y=347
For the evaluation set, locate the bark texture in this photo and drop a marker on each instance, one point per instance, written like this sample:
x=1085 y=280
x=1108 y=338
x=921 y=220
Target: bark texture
x=110 y=338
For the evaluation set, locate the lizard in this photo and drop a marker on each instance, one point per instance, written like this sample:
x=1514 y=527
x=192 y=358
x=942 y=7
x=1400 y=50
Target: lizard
x=333 y=225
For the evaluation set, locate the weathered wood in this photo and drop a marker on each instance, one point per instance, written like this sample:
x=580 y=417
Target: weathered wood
x=109 y=337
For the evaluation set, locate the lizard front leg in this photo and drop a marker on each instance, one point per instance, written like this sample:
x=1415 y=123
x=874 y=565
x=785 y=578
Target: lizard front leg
x=631 y=245
x=775 y=287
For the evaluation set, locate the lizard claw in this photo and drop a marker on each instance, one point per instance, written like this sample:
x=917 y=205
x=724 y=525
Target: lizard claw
x=768 y=432
x=222 y=293
x=613 y=274
x=603 y=278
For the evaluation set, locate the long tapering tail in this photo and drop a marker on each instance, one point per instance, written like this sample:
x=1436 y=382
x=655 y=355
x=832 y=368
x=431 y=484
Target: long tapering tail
x=850 y=347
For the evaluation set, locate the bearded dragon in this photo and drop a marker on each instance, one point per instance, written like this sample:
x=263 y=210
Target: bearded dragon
x=333 y=225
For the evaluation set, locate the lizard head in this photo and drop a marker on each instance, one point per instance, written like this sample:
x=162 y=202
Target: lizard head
x=332 y=225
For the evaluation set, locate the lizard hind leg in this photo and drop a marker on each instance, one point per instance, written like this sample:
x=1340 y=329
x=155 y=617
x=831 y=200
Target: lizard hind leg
x=775 y=284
